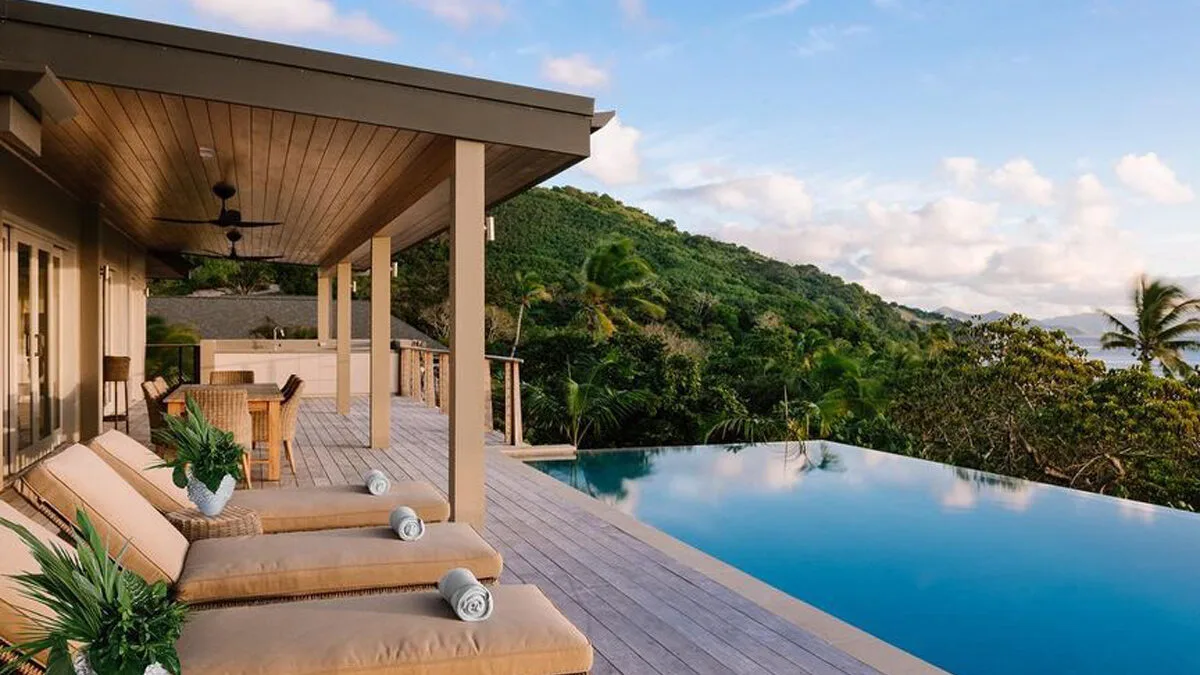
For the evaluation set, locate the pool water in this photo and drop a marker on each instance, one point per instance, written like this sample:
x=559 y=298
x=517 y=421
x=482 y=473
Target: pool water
x=976 y=573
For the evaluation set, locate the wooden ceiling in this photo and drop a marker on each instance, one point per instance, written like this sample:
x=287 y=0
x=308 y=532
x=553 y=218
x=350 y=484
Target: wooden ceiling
x=332 y=182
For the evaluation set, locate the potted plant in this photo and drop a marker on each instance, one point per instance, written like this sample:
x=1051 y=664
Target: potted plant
x=207 y=461
x=101 y=617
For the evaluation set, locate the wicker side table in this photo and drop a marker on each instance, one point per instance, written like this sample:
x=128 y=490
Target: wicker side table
x=234 y=521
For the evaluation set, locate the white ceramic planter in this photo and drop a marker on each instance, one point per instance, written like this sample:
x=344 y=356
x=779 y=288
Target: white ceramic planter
x=208 y=502
x=82 y=667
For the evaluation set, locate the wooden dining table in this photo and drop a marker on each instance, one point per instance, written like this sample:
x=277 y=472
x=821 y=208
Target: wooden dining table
x=264 y=399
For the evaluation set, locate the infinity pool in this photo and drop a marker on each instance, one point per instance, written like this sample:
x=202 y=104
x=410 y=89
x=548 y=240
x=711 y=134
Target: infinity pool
x=976 y=573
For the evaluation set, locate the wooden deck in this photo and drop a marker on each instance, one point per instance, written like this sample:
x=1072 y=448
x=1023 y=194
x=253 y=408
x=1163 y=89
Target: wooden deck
x=644 y=611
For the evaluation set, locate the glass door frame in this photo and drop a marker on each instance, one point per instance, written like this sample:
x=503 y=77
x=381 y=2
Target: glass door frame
x=46 y=424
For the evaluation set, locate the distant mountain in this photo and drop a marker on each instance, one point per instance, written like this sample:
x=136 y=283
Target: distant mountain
x=1090 y=324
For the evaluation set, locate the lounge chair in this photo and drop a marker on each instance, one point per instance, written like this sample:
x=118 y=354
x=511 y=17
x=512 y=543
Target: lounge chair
x=282 y=510
x=248 y=568
x=396 y=634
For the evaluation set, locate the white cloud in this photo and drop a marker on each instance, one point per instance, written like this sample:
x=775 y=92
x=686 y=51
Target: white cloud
x=464 y=13
x=577 y=71
x=778 y=9
x=775 y=198
x=963 y=170
x=1021 y=179
x=295 y=16
x=615 y=158
x=824 y=39
x=1151 y=176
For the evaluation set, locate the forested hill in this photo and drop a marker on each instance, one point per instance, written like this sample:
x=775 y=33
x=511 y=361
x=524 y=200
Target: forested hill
x=712 y=288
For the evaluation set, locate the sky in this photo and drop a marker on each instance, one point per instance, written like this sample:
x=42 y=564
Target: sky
x=1013 y=155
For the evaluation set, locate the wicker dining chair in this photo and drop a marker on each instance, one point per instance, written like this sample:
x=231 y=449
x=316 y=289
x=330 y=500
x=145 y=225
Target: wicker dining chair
x=290 y=386
x=229 y=409
x=289 y=412
x=161 y=383
x=156 y=410
x=231 y=377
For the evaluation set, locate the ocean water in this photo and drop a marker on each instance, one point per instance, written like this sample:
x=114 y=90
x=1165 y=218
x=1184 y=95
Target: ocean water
x=977 y=573
x=1117 y=358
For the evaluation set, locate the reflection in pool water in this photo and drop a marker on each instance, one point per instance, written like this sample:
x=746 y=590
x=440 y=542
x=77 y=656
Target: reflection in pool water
x=977 y=573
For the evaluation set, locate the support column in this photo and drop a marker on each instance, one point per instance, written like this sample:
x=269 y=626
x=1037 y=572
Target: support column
x=324 y=302
x=381 y=342
x=91 y=326
x=467 y=484
x=343 y=337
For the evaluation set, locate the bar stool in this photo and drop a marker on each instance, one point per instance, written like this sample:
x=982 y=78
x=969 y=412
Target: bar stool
x=116 y=372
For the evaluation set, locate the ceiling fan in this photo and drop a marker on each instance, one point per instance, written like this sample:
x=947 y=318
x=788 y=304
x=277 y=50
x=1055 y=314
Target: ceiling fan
x=233 y=236
x=226 y=217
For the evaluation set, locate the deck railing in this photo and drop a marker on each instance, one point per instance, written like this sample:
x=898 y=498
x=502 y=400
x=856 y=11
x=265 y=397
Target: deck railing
x=425 y=377
x=176 y=363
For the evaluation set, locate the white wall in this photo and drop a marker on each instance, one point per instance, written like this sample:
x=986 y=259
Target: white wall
x=317 y=369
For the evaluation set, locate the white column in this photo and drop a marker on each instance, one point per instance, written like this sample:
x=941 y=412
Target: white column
x=381 y=339
x=343 y=337
x=467 y=482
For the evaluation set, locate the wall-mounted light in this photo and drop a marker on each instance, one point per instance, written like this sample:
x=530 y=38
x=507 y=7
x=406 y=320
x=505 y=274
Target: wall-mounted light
x=395 y=269
x=354 y=285
x=105 y=272
x=489 y=228
x=146 y=290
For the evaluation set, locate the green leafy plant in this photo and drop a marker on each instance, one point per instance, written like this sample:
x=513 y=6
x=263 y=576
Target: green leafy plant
x=124 y=623
x=210 y=453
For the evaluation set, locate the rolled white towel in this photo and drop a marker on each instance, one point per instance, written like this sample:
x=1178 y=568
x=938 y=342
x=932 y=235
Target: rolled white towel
x=405 y=523
x=469 y=599
x=377 y=482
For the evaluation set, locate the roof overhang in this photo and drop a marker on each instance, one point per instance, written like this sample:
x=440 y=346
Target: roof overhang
x=337 y=147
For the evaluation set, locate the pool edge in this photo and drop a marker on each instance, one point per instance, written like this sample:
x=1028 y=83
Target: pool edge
x=873 y=651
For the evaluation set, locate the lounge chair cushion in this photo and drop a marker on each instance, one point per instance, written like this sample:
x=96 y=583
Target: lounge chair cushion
x=331 y=561
x=327 y=508
x=285 y=510
x=77 y=478
x=394 y=634
x=15 y=558
x=130 y=459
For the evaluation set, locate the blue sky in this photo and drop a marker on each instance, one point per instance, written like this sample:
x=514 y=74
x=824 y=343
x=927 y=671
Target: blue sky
x=1030 y=155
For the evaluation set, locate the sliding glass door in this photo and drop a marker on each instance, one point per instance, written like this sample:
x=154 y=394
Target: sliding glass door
x=33 y=302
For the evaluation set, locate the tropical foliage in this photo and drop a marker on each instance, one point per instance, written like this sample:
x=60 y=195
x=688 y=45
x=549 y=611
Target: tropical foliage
x=201 y=449
x=637 y=334
x=1165 y=324
x=123 y=623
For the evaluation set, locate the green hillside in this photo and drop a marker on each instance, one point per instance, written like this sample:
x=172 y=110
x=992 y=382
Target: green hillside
x=553 y=230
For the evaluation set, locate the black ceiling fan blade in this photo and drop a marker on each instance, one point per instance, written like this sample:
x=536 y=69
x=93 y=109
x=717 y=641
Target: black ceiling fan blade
x=256 y=258
x=207 y=254
x=255 y=223
x=186 y=221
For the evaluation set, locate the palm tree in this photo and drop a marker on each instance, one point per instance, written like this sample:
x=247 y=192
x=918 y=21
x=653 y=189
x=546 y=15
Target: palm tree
x=579 y=406
x=615 y=279
x=1165 y=324
x=530 y=290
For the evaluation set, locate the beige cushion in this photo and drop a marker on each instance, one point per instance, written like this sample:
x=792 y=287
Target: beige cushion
x=77 y=478
x=131 y=460
x=396 y=634
x=285 y=510
x=304 y=563
x=15 y=558
x=327 y=508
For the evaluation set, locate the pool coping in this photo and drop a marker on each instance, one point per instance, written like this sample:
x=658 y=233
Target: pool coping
x=878 y=654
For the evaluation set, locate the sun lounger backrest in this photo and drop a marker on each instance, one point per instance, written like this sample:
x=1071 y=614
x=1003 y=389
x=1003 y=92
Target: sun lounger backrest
x=15 y=558
x=76 y=478
x=130 y=459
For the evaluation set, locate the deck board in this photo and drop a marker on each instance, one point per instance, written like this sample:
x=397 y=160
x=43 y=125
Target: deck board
x=644 y=611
